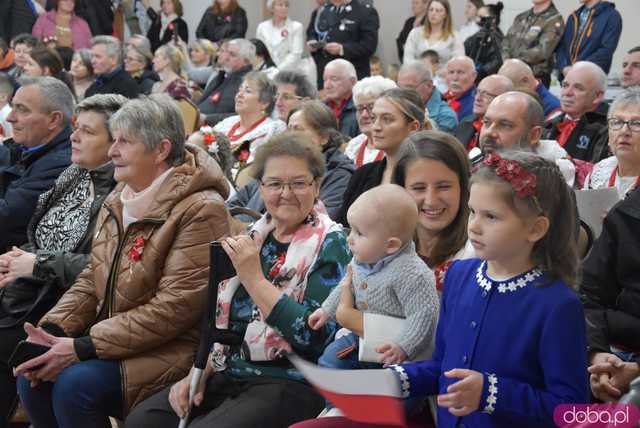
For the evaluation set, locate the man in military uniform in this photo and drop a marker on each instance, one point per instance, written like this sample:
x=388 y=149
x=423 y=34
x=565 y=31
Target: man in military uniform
x=345 y=29
x=534 y=36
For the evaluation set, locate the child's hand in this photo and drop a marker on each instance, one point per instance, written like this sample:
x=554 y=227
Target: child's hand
x=392 y=353
x=318 y=318
x=463 y=397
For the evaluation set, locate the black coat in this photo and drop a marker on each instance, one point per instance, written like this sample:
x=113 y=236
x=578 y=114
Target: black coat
x=218 y=99
x=610 y=288
x=465 y=131
x=16 y=17
x=356 y=29
x=21 y=183
x=220 y=27
x=404 y=34
x=485 y=49
x=179 y=27
x=366 y=177
x=588 y=141
x=334 y=183
x=146 y=81
x=98 y=14
x=119 y=83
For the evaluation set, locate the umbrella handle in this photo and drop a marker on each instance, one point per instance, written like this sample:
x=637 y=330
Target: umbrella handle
x=193 y=388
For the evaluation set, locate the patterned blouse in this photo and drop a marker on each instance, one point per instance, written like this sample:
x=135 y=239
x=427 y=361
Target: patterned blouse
x=66 y=222
x=288 y=316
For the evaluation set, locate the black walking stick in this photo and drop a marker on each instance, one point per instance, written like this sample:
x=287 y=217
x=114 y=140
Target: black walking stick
x=220 y=268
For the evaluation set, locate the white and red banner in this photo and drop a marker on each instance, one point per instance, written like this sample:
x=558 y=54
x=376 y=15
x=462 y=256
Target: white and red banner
x=368 y=396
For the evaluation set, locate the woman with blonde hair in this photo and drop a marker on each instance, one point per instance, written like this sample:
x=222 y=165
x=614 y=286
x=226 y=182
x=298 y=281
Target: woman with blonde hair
x=167 y=62
x=436 y=34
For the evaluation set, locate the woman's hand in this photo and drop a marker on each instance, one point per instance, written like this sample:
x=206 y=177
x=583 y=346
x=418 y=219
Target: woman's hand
x=602 y=364
x=179 y=393
x=463 y=397
x=49 y=365
x=18 y=263
x=610 y=376
x=244 y=253
x=318 y=318
x=392 y=353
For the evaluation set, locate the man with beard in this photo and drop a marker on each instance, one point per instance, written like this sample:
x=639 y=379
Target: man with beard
x=581 y=129
x=513 y=121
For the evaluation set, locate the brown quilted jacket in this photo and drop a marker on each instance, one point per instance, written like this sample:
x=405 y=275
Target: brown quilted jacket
x=146 y=313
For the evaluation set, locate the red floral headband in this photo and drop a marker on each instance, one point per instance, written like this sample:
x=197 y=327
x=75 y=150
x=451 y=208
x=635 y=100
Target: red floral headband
x=522 y=181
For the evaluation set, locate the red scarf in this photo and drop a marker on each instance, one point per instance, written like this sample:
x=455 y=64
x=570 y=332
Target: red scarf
x=566 y=127
x=362 y=150
x=233 y=137
x=338 y=107
x=477 y=125
x=453 y=102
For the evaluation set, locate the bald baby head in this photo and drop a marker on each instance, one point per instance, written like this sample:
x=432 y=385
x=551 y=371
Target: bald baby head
x=382 y=220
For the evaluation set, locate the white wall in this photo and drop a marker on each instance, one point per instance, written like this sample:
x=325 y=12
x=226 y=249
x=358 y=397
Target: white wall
x=394 y=12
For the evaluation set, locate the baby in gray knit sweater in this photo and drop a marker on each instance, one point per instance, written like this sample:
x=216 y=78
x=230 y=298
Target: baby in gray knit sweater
x=386 y=276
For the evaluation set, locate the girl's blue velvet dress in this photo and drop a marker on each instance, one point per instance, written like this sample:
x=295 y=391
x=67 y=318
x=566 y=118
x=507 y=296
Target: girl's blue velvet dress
x=526 y=335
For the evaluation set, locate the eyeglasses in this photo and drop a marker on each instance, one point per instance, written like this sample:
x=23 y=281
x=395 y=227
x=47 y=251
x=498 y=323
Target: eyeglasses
x=485 y=94
x=288 y=97
x=616 y=124
x=296 y=186
x=365 y=107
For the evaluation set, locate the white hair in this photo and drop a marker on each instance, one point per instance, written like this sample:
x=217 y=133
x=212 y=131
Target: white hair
x=598 y=73
x=372 y=86
x=246 y=49
x=421 y=70
x=271 y=2
x=347 y=68
x=630 y=97
x=464 y=58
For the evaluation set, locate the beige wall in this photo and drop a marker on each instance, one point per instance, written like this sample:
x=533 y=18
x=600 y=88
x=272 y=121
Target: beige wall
x=394 y=12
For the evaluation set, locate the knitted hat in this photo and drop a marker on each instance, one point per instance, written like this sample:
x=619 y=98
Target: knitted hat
x=477 y=3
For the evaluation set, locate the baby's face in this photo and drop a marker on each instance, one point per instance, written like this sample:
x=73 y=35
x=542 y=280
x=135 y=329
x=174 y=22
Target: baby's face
x=369 y=238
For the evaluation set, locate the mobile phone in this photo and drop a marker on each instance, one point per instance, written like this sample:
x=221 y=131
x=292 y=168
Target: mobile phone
x=26 y=351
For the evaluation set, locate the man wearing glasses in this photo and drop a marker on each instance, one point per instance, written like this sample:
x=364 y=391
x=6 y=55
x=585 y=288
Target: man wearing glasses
x=581 y=129
x=468 y=131
x=293 y=88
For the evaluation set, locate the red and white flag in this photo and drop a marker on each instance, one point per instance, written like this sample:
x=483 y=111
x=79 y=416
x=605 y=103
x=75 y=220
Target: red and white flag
x=368 y=396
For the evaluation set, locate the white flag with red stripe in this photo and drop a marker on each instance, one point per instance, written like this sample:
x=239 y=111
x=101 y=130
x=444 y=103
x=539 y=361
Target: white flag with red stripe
x=368 y=396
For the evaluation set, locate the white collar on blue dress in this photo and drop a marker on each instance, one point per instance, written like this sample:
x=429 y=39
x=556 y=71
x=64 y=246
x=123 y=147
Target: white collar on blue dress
x=511 y=284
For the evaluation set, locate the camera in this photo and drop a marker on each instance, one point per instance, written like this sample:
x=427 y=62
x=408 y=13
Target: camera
x=486 y=22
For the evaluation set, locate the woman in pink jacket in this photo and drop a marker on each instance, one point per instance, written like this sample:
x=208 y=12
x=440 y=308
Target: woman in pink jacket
x=62 y=24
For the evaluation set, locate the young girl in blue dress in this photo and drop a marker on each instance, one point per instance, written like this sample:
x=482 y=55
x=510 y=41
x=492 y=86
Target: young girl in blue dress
x=510 y=343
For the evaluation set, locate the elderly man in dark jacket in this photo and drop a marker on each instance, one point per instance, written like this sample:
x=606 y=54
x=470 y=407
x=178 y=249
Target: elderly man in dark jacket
x=218 y=98
x=106 y=59
x=39 y=151
x=610 y=292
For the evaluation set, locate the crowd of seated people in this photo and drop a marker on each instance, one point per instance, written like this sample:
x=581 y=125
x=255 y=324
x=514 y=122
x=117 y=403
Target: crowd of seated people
x=446 y=194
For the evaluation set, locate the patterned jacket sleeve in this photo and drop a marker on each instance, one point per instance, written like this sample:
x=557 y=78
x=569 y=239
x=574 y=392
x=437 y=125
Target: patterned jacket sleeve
x=547 y=43
x=290 y=317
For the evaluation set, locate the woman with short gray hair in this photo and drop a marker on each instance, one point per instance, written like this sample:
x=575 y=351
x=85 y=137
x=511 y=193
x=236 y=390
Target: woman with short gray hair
x=127 y=327
x=360 y=149
x=253 y=125
x=622 y=170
